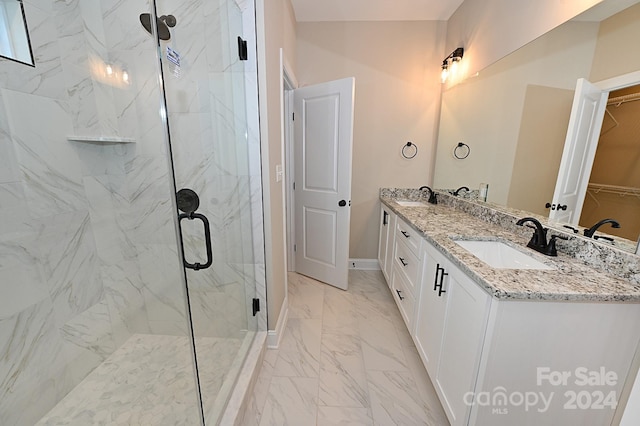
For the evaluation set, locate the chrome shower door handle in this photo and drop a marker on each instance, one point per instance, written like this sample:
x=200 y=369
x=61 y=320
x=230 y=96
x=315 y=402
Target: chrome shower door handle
x=207 y=239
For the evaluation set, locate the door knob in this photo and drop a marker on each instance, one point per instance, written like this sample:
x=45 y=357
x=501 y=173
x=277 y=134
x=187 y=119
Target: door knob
x=342 y=203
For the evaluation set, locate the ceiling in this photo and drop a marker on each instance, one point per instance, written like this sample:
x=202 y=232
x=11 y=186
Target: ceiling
x=374 y=10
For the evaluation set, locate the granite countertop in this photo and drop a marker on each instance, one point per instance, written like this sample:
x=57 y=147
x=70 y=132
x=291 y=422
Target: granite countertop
x=570 y=280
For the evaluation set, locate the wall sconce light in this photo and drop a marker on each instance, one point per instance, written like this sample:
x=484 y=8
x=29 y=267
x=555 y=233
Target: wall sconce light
x=450 y=63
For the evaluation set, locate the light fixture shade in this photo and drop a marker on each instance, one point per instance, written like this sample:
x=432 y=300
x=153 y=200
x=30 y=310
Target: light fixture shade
x=450 y=63
x=444 y=75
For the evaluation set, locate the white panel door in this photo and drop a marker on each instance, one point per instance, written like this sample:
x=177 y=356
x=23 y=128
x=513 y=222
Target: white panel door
x=580 y=145
x=323 y=133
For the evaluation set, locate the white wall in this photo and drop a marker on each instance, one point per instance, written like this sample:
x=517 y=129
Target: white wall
x=397 y=96
x=276 y=30
x=491 y=29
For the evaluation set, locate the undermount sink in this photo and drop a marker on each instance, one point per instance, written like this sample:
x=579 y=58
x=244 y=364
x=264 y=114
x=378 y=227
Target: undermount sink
x=406 y=203
x=500 y=255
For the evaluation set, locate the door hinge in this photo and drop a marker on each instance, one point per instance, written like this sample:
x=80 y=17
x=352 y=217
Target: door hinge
x=295 y=247
x=293 y=116
x=256 y=306
x=242 y=49
x=294 y=186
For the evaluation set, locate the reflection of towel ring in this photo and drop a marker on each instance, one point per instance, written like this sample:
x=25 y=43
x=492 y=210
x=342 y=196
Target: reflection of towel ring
x=461 y=151
x=409 y=145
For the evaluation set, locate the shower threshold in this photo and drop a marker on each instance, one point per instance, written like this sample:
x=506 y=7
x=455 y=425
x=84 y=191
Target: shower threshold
x=149 y=380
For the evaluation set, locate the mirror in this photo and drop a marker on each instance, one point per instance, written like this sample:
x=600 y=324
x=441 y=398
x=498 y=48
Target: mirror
x=14 y=34
x=514 y=114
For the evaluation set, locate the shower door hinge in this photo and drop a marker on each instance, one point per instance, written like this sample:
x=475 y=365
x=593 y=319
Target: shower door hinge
x=256 y=306
x=242 y=49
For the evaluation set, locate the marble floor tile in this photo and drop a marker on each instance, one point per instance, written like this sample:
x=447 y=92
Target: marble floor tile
x=369 y=372
x=381 y=346
x=291 y=401
x=340 y=315
x=299 y=354
x=394 y=400
x=343 y=416
x=343 y=380
x=305 y=297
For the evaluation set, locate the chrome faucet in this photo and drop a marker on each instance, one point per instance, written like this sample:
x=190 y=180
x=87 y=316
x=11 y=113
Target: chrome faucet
x=432 y=195
x=589 y=232
x=457 y=191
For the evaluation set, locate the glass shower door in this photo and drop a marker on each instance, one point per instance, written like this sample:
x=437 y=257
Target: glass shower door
x=211 y=100
x=94 y=321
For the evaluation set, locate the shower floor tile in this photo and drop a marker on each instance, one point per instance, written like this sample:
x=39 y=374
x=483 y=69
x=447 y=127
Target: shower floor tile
x=148 y=380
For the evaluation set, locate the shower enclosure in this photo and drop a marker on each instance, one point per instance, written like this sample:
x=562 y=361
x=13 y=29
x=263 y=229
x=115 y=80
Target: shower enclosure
x=116 y=307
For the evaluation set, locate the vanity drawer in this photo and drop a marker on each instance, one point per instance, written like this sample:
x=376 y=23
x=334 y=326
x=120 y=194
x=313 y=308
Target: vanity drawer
x=407 y=263
x=404 y=299
x=408 y=235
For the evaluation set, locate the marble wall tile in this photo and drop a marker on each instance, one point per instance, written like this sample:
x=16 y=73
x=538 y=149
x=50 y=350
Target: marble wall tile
x=70 y=263
x=80 y=92
x=108 y=207
x=123 y=30
x=224 y=312
x=9 y=170
x=68 y=17
x=48 y=164
x=88 y=339
x=22 y=281
x=31 y=357
x=103 y=160
x=13 y=210
x=125 y=299
x=163 y=289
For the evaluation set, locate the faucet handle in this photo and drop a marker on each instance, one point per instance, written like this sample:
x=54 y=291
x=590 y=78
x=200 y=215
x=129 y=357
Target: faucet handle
x=551 y=247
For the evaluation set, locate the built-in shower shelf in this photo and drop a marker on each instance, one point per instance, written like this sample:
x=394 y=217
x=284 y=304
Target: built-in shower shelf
x=101 y=139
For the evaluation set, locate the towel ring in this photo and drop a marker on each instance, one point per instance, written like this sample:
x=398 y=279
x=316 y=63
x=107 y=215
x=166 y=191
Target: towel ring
x=461 y=151
x=407 y=148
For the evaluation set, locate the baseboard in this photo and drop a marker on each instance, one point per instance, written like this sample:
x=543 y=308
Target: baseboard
x=364 y=264
x=275 y=336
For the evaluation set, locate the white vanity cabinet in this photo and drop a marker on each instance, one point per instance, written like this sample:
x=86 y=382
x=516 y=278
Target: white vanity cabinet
x=502 y=361
x=407 y=270
x=451 y=322
x=385 y=241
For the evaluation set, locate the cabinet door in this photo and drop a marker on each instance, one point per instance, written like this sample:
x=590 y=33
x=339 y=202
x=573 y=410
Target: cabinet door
x=388 y=261
x=403 y=297
x=431 y=311
x=383 y=240
x=465 y=324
